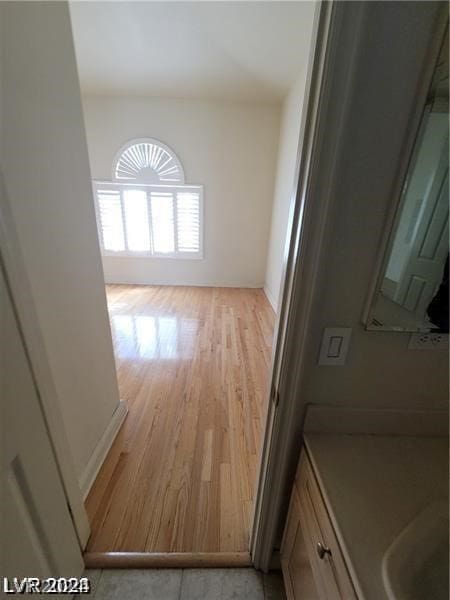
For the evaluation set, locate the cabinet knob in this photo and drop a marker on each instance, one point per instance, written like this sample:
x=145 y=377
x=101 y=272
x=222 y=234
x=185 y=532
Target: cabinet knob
x=322 y=550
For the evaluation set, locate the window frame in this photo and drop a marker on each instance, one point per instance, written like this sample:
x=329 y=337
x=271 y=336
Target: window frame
x=126 y=253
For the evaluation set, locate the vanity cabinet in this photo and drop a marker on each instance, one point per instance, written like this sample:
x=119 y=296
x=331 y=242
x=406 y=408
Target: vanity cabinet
x=312 y=561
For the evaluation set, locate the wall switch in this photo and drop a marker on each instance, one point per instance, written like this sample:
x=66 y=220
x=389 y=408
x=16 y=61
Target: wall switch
x=428 y=341
x=334 y=348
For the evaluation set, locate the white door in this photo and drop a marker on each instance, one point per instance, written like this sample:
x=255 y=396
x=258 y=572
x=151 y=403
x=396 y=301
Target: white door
x=37 y=536
x=423 y=271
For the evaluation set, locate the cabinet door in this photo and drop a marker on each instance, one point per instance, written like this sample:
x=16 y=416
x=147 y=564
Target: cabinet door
x=329 y=569
x=297 y=573
x=309 y=574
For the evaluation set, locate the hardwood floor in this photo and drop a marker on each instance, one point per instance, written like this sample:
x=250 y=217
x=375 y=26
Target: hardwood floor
x=193 y=366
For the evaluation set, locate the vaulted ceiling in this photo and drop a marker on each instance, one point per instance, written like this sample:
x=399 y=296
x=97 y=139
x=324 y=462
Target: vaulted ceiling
x=236 y=50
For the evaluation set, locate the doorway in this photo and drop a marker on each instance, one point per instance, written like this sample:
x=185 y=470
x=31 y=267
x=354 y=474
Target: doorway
x=193 y=293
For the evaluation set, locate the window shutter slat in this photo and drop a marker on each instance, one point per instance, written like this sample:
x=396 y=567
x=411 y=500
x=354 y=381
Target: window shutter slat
x=136 y=220
x=137 y=158
x=110 y=214
x=163 y=234
x=188 y=222
x=149 y=219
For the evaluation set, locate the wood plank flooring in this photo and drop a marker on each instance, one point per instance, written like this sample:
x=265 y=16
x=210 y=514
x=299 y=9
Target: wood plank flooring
x=193 y=366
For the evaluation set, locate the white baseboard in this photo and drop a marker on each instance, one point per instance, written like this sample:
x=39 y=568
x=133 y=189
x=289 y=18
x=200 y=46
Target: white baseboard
x=101 y=450
x=270 y=298
x=222 y=284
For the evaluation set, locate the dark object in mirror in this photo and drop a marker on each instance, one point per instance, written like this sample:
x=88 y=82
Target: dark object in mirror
x=437 y=310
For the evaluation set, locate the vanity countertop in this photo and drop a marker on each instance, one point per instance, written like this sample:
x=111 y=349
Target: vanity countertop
x=373 y=486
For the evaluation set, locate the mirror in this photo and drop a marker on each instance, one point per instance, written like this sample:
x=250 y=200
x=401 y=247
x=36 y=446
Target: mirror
x=413 y=292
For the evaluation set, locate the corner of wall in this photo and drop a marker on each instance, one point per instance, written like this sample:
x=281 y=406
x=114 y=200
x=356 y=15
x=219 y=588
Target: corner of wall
x=288 y=147
x=102 y=448
x=271 y=298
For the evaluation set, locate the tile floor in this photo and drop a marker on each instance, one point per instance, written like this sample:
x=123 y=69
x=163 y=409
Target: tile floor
x=185 y=584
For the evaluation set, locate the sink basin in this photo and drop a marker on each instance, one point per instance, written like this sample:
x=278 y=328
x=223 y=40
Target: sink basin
x=416 y=564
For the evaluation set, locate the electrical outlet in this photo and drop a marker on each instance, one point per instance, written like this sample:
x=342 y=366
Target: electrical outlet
x=428 y=341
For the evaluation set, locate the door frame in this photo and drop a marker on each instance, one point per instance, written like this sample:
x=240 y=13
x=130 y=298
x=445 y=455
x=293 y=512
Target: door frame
x=332 y=64
x=17 y=279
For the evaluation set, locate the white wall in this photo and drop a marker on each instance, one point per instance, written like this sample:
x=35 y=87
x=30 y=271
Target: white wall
x=230 y=148
x=46 y=169
x=284 y=187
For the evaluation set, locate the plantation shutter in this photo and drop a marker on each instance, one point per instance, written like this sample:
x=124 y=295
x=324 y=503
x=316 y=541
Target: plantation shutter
x=162 y=222
x=111 y=222
x=136 y=220
x=149 y=220
x=188 y=221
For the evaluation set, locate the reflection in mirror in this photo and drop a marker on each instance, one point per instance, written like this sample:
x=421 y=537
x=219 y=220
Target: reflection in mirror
x=413 y=293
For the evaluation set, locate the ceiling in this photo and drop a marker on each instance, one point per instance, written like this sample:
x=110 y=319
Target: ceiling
x=235 y=50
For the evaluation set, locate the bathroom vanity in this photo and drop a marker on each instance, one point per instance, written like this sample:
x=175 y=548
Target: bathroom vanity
x=368 y=519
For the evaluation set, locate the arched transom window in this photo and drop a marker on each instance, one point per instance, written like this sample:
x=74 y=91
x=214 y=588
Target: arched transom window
x=147 y=161
x=148 y=210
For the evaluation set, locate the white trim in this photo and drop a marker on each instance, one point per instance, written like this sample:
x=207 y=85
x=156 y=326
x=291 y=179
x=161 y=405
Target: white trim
x=219 y=284
x=133 y=184
x=316 y=165
x=270 y=298
x=102 y=448
x=149 y=256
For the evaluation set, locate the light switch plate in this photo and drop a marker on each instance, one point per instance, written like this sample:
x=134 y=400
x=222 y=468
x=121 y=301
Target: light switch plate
x=334 y=348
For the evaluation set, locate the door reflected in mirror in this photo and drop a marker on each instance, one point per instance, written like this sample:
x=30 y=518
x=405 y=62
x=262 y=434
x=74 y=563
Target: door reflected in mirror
x=413 y=294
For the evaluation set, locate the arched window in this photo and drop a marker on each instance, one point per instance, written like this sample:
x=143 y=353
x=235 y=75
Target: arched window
x=147 y=160
x=148 y=210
